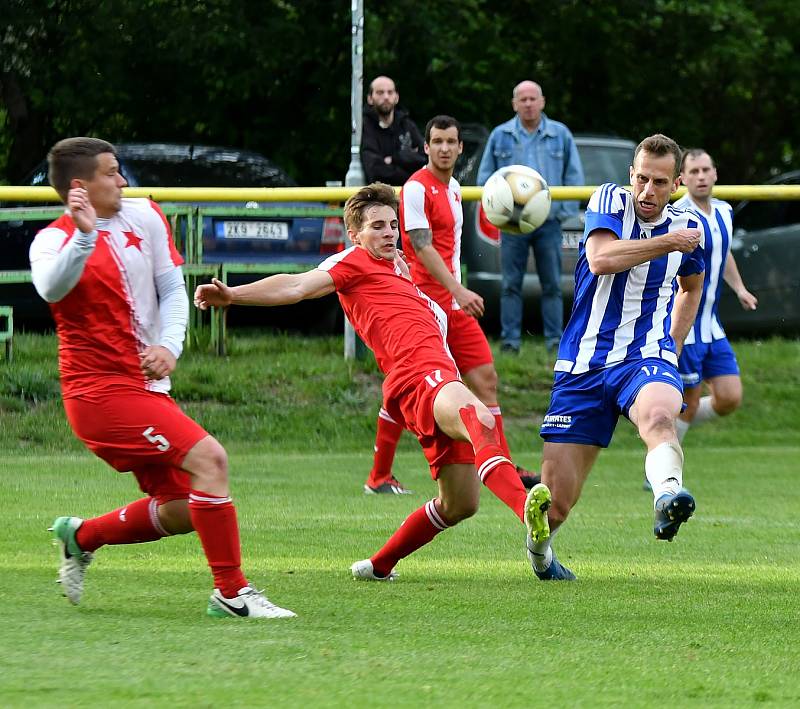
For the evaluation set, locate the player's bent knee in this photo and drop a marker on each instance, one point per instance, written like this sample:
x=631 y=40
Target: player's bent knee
x=727 y=405
x=486 y=417
x=659 y=418
x=459 y=509
x=487 y=385
x=208 y=462
x=460 y=512
x=174 y=517
x=476 y=412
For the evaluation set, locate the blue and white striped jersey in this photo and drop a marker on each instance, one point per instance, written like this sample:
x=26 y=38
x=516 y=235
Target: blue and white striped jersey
x=707 y=326
x=625 y=316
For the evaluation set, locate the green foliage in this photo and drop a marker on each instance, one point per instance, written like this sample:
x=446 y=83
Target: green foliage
x=275 y=76
x=5 y=144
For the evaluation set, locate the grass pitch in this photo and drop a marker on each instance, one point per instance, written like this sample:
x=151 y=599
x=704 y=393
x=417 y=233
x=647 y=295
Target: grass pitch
x=709 y=620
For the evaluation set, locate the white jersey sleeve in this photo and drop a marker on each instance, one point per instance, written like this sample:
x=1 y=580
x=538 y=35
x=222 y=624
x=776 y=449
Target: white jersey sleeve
x=173 y=308
x=56 y=266
x=414 y=216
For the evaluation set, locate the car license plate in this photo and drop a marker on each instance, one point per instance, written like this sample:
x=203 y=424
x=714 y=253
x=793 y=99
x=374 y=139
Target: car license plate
x=571 y=239
x=274 y=231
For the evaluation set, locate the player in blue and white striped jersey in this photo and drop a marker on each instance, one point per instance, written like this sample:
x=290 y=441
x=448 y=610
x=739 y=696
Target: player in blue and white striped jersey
x=707 y=355
x=638 y=282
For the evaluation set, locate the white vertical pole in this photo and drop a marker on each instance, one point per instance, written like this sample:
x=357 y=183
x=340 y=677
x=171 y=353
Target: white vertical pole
x=355 y=173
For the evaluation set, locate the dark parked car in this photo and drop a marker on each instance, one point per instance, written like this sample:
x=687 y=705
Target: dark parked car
x=766 y=246
x=604 y=158
x=273 y=240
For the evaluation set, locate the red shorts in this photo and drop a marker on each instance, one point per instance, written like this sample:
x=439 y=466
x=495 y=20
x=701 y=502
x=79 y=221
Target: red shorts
x=466 y=341
x=412 y=407
x=139 y=431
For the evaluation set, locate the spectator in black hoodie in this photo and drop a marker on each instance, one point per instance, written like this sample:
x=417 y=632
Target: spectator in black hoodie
x=391 y=144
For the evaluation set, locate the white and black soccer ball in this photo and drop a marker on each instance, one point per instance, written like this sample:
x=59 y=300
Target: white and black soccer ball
x=516 y=199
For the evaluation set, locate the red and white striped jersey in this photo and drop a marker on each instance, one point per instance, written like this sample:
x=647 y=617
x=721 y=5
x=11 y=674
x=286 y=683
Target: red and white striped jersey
x=112 y=313
x=427 y=203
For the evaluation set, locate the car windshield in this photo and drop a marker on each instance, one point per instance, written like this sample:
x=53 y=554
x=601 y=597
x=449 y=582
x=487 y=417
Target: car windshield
x=605 y=163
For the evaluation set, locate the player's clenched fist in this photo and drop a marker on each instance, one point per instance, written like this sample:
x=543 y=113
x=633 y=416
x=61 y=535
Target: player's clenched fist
x=215 y=293
x=156 y=362
x=83 y=213
x=686 y=240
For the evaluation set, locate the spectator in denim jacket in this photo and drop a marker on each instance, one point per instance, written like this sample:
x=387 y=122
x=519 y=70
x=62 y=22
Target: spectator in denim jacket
x=533 y=139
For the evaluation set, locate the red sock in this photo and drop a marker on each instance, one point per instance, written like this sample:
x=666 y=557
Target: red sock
x=214 y=520
x=419 y=528
x=132 y=524
x=387 y=437
x=498 y=424
x=495 y=469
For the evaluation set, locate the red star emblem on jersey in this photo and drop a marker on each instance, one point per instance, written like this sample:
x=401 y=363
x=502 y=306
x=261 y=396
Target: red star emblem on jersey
x=132 y=240
x=457 y=197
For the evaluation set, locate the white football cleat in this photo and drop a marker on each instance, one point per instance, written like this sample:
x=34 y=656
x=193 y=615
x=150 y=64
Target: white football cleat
x=74 y=561
x=363 y=571
x=248 y=603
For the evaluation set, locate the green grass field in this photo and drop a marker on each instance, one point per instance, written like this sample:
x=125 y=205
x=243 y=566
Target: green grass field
x=710 y=620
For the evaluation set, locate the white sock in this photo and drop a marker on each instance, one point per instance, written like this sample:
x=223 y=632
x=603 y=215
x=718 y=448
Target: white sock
x=682 y=427
x=542 y=553
x=664 y=469
x=542 y=561
x=705 y=411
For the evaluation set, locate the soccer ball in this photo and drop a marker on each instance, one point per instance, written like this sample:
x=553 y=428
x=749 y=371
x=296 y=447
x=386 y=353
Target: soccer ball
x=516 y=199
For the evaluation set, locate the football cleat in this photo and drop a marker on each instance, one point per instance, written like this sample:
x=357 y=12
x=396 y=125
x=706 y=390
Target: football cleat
x=528 y=477
x=363 y=571
x=74 y=561
x=248 y=603
x=536 y=505
x=671 y=512
x=391 y=487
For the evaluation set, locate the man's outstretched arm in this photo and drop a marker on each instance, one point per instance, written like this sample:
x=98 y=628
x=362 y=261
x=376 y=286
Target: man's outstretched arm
x=281 y=289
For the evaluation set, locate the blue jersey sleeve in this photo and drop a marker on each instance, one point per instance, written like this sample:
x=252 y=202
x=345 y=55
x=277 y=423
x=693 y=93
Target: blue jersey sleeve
x=695 y=262
x=606 y=210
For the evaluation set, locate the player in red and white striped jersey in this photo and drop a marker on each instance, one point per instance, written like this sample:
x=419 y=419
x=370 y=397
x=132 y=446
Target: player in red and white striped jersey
x=407 y=332
x=112 y=276
x=431 y=218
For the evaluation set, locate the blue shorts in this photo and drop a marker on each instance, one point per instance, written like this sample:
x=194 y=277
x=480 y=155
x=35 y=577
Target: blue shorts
x=584 y=408
x=706 y=360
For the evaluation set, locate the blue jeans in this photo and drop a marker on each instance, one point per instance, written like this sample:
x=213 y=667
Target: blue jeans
x=546 y=244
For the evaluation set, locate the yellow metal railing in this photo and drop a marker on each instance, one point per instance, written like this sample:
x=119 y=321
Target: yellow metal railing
x=187 y=225
x=340 y=194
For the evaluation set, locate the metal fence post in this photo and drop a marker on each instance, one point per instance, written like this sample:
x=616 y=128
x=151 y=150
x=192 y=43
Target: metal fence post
x=354 y=348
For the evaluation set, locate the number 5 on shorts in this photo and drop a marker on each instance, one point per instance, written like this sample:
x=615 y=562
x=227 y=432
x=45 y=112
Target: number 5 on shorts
x=163 y=443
